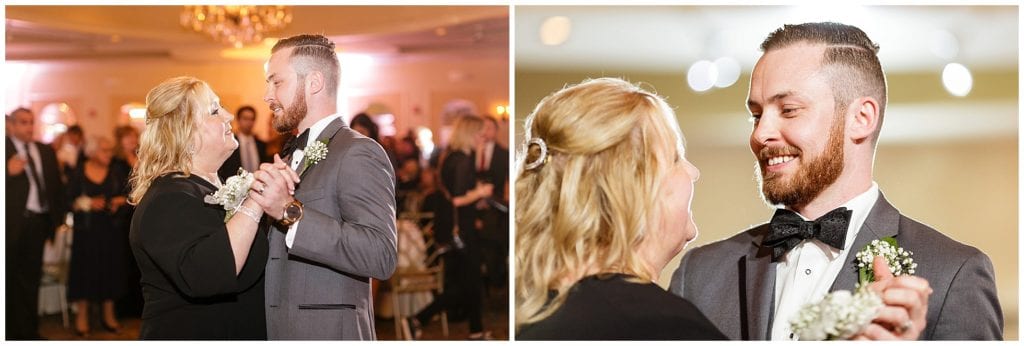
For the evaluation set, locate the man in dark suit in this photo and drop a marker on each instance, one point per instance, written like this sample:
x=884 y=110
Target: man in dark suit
x=817 y=98
x=251 y=151
x=35 y=207
x=492 y=167
x=338 y=231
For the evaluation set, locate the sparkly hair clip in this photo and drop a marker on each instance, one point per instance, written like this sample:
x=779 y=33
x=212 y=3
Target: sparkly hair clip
x=542 y=158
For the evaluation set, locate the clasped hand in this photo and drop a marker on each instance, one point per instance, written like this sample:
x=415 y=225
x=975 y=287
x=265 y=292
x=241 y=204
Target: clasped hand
x=906 y=305
x=274 y=187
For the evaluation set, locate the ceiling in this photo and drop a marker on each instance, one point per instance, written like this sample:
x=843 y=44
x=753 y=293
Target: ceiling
x=671 y=38
x=396 y=32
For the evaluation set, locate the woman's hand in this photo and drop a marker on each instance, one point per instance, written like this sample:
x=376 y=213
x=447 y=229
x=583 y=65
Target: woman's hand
x=117 y=202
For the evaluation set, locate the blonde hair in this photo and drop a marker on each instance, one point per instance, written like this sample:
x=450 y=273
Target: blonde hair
x=166 y=145
x=465 y=129
x=591 y=203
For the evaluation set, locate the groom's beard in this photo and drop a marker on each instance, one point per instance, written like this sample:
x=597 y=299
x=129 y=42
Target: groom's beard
x=289 y=120
x=810 y=179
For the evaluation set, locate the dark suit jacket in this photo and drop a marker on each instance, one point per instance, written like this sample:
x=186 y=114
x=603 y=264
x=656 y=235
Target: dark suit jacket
x=18 y=186
x=498 y=171
x=320 y=287
x=231 y=165
x=732 y=280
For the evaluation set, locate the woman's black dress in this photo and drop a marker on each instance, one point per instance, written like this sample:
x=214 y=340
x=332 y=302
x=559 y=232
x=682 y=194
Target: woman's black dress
x=99 y=249
x=611 y=307
x=188 y=271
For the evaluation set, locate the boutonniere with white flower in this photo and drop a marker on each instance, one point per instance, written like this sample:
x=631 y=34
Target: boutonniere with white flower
x=314 y=153
x=232 y=193
x=898 y=259
x=841 y=314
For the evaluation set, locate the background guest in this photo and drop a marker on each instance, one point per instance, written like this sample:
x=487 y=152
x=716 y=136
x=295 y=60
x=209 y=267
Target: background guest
x=35 y=207
x=458 y=181
x=126 y=148
x=492 y=167
x=251 y=150
x=99 y=251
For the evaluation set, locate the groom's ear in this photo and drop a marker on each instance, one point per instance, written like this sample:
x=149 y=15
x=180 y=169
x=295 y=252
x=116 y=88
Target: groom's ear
x=315 y=82
x=865 y=118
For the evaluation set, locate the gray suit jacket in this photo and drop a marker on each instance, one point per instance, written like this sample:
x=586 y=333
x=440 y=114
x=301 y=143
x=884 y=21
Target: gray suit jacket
x=320 y=288
x=733 y=280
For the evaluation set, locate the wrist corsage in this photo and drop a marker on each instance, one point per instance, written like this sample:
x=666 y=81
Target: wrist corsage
x=232 y=193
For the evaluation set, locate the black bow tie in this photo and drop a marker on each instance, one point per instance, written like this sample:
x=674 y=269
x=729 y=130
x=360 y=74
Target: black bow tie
x=788 y=229
x=294 y=144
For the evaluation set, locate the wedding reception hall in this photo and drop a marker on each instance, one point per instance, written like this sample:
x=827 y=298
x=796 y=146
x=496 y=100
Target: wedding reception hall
x=77 y=78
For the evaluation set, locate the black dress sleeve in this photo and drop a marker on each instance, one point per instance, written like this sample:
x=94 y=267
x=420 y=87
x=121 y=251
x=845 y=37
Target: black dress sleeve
x=188 y=243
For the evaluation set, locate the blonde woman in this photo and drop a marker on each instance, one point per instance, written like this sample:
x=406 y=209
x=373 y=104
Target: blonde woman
x=463 y=261
x=202 y=277
x=603 y=204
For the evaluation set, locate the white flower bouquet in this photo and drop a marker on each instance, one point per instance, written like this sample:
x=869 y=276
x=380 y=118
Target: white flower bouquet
x=232 y=193
x=841 y=314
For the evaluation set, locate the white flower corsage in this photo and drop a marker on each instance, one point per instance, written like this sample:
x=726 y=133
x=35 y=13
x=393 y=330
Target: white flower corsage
x=841 y=314
x=232 y=193
x=838 y=316
x=314 y=153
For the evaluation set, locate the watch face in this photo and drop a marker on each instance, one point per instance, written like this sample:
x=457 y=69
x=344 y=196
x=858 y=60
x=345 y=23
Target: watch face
x=293 y=210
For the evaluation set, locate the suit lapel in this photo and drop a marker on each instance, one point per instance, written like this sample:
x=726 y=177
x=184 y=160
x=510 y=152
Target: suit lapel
x=325 y=136
x=883 y=221
x=760 y=285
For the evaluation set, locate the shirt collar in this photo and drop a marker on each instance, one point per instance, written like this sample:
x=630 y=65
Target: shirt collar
x=861 y=207
x=319 y=126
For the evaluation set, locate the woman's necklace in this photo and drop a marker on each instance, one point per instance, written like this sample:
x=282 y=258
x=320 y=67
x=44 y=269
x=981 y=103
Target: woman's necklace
x=206 y=176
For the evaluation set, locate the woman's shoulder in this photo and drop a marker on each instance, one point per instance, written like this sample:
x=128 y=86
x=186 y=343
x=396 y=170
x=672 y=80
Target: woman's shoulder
x=175 y=183
x=620 y=307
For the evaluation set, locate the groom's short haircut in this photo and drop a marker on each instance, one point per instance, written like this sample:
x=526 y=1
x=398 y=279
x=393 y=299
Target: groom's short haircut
x=851 y=60
x=313 y=52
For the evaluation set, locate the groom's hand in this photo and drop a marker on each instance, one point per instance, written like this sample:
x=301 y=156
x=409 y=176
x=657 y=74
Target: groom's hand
x=272 y=189
x=906 y=305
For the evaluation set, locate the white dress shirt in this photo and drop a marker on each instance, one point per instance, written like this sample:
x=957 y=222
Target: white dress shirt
x=33 y=204
x=806 y=272
x=314 y=132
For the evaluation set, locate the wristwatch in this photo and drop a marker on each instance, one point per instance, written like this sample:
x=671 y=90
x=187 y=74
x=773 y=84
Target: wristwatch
x=292 y=213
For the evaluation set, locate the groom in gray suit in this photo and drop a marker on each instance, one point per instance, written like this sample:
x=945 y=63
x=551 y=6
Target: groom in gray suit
x=338 y=231
x=817 y=98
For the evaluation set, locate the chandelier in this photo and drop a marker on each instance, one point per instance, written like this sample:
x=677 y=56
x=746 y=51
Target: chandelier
x=236 y=25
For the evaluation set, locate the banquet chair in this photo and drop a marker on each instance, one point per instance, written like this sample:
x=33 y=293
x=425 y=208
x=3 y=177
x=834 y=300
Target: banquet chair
x=55 y=271
x=427 y=276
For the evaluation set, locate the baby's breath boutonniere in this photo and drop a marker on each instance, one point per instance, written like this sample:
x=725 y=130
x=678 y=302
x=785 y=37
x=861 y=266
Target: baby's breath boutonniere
x=841 y=314
x=898 y=259
x=232 y=193
x=314 y=153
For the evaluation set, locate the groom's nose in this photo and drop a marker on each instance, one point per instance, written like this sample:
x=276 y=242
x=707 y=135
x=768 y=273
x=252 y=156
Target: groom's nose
x=765 y=130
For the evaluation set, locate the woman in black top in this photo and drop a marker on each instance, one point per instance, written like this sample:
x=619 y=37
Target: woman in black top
x=202 y=274
x=602 y=205
x=463 y=279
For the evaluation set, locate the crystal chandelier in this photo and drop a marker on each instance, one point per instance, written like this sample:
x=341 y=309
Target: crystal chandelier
x=237 y=25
